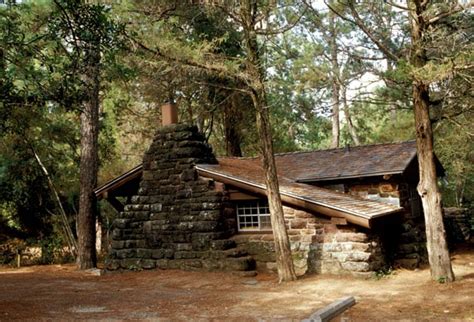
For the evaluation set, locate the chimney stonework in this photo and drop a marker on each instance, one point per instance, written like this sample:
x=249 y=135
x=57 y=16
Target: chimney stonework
x=176 y=218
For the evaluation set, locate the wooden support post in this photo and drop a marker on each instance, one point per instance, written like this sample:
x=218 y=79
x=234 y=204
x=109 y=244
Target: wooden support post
x=115 y=203
x=332 y=310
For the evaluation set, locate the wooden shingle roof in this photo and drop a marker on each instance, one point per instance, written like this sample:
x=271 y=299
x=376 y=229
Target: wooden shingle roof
x=248 y=173
x=346 y=163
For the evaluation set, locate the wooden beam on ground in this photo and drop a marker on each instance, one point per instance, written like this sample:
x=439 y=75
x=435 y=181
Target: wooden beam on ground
x=332 y=310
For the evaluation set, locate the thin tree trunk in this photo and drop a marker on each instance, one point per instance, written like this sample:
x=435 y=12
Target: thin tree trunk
x=393 y=107
x=286 y=271
x=347 y=115
x=2 y=68
x=67 y=229
x=285 y=267
x=89 y=163
x=335 y=117
x=335 y=82
x=438 y=253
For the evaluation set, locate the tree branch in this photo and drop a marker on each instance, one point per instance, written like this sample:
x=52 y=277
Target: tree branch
x=455 y=9
x=214 y=69
x=359 y=22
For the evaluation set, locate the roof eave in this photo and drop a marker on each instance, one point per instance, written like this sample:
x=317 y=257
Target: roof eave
x=290 y=198
x=118 y=181
x=374 y=174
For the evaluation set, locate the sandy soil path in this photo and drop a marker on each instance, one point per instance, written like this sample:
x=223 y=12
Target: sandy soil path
x=61 y=293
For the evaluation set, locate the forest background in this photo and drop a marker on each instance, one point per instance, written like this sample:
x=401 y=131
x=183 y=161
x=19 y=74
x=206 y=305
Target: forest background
x=328 y=84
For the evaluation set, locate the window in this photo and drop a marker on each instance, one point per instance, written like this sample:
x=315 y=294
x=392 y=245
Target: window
x=253 y=216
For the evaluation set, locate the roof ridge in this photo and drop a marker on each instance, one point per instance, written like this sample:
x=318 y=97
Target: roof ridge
x=320 y=150
x=343 y=148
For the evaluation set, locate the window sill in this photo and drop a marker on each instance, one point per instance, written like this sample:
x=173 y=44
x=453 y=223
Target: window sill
x=253 y=232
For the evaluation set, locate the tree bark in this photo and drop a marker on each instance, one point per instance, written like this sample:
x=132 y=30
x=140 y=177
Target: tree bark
x=232 y=119
x=2 y=68
x=389 y=83
x=286 y=271
x=89 y=162
x=428 y=190
x=347 y=115
x=335 y=81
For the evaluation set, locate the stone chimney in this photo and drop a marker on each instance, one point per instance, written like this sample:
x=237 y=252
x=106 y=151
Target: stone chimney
x=169 y=113
x=176 y=219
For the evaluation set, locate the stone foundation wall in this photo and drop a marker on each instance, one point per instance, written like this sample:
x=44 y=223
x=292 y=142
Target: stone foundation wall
x=387 y=192
x=175 y=220
x=409 y=235
x=405 y=238
x=318 y=246
x=457 y=223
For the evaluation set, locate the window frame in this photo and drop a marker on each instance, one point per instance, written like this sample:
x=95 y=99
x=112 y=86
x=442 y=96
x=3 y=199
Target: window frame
x=260 y=205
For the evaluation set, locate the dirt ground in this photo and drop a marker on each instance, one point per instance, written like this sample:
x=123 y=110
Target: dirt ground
x=61 y=293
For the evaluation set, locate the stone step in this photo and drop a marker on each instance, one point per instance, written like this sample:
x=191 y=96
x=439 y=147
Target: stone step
x=228 y=253
x=235 y=252
x=222 y=244
x=246 y=263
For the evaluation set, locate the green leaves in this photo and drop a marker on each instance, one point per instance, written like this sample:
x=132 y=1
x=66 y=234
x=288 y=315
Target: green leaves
x=41 y=62
x=19 y=84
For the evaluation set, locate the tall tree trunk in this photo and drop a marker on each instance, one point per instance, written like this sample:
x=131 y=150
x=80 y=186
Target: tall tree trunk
x=438 y=253
x=89 y=162
x=232 y=119
x=347 y=115
x=286 y=271
x=335 y=81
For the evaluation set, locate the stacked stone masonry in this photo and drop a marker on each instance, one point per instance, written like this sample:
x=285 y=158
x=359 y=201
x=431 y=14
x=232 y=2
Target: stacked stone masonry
x=175 y=220
x=458 y=223
x=318 y=246
x=405 y=245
